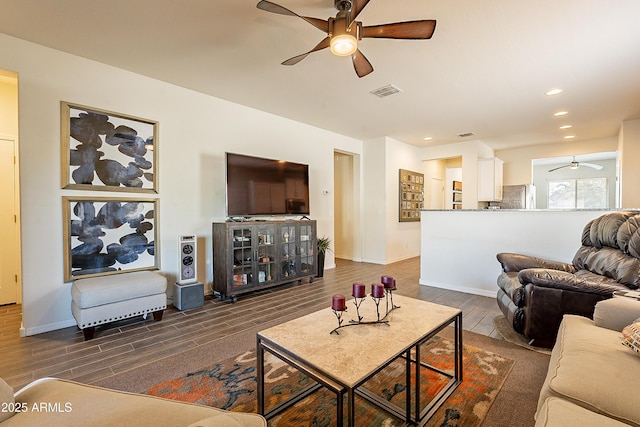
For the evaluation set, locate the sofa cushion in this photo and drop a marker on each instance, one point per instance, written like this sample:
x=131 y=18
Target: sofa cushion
x=561 y=413
x=6 y=400
x=631 y=336
x=616 y=313
x=83 y=405
x=220 y=420
x=590 y=368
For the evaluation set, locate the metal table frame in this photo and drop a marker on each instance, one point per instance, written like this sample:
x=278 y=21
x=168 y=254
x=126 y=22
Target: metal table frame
x=411 y=414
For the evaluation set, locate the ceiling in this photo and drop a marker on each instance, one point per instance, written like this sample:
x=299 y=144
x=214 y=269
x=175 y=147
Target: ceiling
x=484 y=71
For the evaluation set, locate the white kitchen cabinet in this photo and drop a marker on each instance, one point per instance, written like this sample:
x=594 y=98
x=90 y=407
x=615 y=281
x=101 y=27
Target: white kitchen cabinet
x=490 y=180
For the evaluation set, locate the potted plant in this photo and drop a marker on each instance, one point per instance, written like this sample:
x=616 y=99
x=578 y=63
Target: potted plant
x=324 y=245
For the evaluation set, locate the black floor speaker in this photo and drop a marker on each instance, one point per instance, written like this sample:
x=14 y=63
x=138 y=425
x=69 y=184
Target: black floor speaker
x=186 y=297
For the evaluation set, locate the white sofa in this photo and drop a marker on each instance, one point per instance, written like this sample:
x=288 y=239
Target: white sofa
x=54 y=402
x=593 y=379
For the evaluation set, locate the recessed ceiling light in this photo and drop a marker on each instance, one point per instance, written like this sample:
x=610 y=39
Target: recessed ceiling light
x=427 y=138
x=569 y=137
x=552 y=92
x=561 y=113
x=566 y=126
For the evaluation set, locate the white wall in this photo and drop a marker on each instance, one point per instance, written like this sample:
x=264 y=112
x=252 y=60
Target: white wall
x=629 y=147
x=470 y=151
x=517 y=161
x=385 y=238
x=195 y=131
x=542 y=176
x=403 y=238
x=374 y=202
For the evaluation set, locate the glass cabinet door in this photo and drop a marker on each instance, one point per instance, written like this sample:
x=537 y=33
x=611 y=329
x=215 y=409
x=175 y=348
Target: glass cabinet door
x=242 y=259
x=288 y=251
x=307 y=249
x=267 y=254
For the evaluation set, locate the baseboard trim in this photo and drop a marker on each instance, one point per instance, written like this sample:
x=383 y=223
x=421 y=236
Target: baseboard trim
x=466 y=290
x=25 y=332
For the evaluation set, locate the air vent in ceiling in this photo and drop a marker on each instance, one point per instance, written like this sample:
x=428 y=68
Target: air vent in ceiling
x=466 y=134
x=385 y=91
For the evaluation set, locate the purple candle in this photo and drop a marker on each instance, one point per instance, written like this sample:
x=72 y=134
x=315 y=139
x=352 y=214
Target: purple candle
x=338 y=303
x=393 y=286
x=377 y=290
x=387 y=281
x=358 y=290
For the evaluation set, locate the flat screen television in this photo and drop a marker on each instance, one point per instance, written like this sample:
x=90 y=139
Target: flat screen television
x=259 y=186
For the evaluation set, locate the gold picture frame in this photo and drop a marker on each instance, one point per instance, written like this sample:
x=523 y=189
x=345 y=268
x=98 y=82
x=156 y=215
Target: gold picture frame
x=109 y=235
x=107 y=151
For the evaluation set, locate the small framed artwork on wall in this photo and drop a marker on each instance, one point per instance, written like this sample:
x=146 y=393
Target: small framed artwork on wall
x=103 y=150
x=411 y=196
x=108 y=236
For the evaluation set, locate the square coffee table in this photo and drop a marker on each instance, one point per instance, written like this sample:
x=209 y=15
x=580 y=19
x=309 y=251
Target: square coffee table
x=343 y=362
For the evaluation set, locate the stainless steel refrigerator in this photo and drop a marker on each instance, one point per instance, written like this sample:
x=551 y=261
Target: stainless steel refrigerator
x=518 y=197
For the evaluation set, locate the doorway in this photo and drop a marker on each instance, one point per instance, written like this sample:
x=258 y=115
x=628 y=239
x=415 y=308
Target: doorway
x=10 y=272
x=346 y=196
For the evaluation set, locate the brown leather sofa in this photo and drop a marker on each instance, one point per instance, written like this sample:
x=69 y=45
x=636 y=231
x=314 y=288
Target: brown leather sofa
x=534 y=293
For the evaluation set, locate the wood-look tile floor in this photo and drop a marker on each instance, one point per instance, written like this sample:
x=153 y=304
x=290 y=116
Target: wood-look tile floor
x=133 y=343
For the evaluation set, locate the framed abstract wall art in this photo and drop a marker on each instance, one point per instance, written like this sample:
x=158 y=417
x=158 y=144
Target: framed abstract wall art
x=103 y=150
x=108 y=236
x=411 y=193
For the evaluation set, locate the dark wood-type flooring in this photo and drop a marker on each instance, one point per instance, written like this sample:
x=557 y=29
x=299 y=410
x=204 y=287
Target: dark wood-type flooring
x=134 y=343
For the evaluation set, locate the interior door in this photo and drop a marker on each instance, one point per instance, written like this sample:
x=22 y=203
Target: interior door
x=8 y=224
x=437 y=194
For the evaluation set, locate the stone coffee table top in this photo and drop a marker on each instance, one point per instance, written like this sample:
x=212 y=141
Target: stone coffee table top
x=357 y=351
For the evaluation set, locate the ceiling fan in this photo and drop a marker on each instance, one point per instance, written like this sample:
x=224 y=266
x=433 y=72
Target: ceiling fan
x=344 y=32
x=576 y=165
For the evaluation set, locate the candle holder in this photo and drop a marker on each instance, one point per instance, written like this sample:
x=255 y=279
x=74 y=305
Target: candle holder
x=377 y=302
x=339 y=317
x=357 y=302
x=378 y=291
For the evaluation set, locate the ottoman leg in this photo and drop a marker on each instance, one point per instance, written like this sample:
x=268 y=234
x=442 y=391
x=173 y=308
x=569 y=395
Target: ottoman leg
x=157 y=315
x=89 y=332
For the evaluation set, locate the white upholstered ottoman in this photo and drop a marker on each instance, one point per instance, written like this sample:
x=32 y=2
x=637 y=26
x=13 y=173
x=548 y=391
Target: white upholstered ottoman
x=104 y=299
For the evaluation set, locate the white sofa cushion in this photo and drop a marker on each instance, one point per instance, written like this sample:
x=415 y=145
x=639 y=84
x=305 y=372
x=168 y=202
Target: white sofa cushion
x=616 y=313
x=560 y=413
x=95 y=291
x=589 y=367
x=6 y=400
x=84 y=405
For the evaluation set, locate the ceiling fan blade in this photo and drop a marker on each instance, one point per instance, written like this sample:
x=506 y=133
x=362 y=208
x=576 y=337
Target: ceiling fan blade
x=268 y=6
x=401 y=30
x=361 y=64
x=560 y=167
x=322 y=45
x=357 y=7
x=592 y=165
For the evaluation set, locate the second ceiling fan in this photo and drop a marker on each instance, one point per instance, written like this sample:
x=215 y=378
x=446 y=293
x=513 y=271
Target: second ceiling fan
x=575 y=165
x=344 y=32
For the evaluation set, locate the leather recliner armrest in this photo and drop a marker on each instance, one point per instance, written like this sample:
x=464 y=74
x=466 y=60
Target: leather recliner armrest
x=563 y=280
x=517 y=262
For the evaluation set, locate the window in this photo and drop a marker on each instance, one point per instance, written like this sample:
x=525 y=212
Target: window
x=586 y=193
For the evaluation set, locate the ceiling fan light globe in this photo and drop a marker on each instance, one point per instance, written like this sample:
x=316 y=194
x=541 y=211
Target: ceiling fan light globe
x=343 y=45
